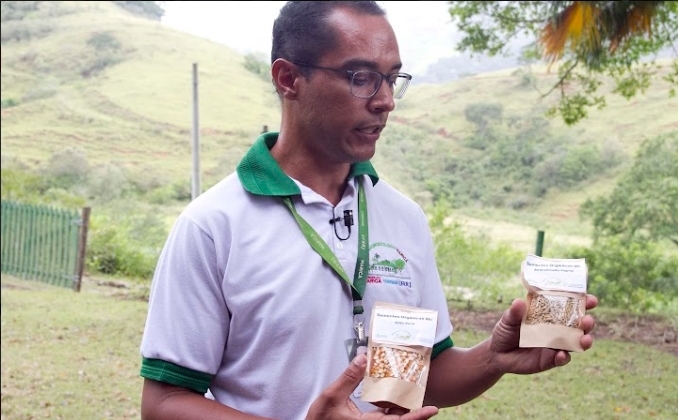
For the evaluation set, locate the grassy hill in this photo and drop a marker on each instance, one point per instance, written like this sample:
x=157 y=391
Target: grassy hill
x=93 y=76
x=436 y=113
x=120 y=87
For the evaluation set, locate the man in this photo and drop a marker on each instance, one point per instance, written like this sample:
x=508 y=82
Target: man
x=264 y=285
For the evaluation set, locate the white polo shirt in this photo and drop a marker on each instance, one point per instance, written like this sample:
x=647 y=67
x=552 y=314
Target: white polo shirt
x=241 y=304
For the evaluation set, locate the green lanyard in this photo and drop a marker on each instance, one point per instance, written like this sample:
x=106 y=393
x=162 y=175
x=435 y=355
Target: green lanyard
x=321 y=247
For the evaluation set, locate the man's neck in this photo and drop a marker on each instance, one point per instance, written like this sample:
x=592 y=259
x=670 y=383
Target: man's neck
x=328 y=180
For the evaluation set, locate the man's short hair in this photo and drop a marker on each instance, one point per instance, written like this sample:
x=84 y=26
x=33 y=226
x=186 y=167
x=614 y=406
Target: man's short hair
x=301 y=34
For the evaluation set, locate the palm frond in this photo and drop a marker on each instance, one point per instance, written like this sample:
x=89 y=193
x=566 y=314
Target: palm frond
x=583 y=26
x=574 y=26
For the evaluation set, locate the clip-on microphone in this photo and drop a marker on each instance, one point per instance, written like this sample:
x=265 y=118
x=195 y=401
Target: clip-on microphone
x=348 y=222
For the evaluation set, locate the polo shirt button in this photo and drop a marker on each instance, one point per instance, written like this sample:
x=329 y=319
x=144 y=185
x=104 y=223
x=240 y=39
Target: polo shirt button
x=340 y=245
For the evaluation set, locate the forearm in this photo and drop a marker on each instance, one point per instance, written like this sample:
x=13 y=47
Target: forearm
x=459 y=375
x=167 y=402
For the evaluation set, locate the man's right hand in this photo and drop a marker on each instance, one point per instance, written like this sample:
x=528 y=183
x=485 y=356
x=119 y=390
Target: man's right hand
x=335 y=402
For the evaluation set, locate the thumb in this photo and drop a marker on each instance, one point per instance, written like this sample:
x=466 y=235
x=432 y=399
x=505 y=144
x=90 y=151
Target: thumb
x=514 y=315
x=337 y=395
x=506 y=333
x=343 y=387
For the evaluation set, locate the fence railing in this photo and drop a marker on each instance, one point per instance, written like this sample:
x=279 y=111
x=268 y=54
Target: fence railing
x=44 y=243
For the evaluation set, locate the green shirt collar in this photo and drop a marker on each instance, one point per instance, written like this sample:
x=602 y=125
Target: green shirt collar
x=260 y=174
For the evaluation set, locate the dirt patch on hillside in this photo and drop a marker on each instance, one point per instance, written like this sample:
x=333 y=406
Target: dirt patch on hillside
x=649 y=330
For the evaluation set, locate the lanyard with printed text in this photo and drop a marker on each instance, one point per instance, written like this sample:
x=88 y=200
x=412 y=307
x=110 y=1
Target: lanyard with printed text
x=361 y=268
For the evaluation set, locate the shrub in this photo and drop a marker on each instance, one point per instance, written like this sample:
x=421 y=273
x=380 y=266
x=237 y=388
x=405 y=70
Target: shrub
x=579 y=164
x=526 y=79
x=258 y=66
x=630 y=273
x=483 y=115
x=107 y=182
x=103 y=41
x=9 y=103
x=16 y=10
x=149 y=9
x=67 y=167
x=124 y=245
x=469 y=261
x=21 y=185
x=24 y=30
x=99 y=64
x=146 y=179
x=61 y=197
x=105 y=54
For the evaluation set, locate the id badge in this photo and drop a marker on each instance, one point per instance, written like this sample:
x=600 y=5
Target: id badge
x=355 y=347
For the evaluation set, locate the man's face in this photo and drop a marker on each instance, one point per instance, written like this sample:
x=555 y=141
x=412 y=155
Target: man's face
x=345 y=128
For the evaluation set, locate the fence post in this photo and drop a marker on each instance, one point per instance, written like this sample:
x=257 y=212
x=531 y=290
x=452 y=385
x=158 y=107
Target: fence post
x=540 y=243
x=82 y=249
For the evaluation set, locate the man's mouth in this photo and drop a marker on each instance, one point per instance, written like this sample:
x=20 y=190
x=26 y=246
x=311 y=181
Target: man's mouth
x=376 y=129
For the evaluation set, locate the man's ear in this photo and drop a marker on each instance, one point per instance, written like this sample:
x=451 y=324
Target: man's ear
x=285 y=77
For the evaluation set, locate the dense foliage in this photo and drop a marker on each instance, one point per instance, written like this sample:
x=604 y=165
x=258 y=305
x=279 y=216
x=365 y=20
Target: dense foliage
x=17 y=10
x=644 y=203
x=127 y=232
x=631 y=273
x=471 y=268
x=23 y=20
x=516 y=161
x=590 y=40
x=150 y=9
x=256 y=64
x=125 y=237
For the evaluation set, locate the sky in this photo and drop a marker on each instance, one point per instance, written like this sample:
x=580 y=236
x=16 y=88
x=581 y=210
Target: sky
x=424 y=30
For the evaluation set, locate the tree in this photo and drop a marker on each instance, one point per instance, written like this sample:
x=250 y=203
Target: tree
x=589 y=40
x=644 y=203
x=153 y=10
x=482 y=114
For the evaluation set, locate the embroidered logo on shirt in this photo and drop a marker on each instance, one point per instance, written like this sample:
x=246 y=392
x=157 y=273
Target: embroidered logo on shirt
x=386 y=260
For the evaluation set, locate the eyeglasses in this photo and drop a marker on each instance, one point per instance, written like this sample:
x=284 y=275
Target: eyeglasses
x=366 y=83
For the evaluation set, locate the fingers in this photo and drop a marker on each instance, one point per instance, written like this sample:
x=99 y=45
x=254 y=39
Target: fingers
x=562 y=358
x=587 y=323
x=420 y=414
x=586 y=341
x=334 y=401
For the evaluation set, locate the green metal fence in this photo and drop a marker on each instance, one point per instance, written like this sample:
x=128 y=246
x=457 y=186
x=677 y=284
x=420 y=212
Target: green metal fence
x=43 y=243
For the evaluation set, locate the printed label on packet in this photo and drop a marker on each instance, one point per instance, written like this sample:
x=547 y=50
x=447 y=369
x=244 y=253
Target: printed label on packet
x=567 y=275
x=407 y=328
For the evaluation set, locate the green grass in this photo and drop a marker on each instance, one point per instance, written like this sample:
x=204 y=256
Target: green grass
x=68 y=355
x=75 y=355
x=613 y=380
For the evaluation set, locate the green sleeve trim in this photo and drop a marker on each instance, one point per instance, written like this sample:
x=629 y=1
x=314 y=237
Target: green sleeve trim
x=439 y=347
x=162 y=371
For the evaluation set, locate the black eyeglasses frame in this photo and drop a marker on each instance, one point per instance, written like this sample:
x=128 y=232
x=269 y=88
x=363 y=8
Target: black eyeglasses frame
x=351 y=76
